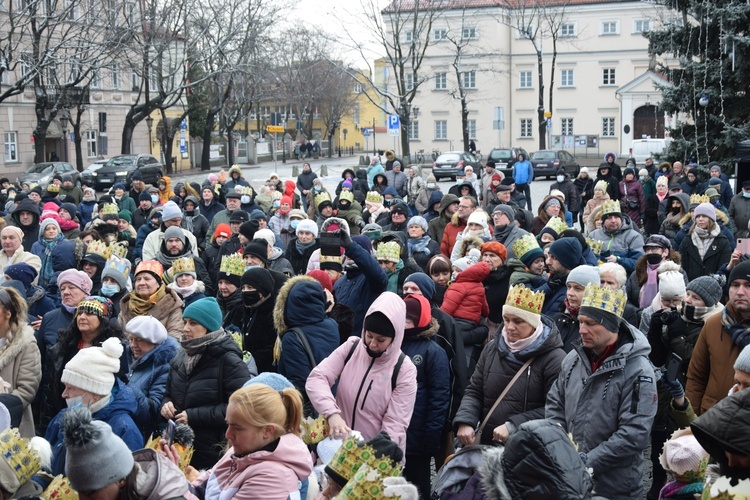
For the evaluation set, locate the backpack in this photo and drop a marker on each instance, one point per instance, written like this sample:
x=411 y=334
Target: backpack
x=456 y=472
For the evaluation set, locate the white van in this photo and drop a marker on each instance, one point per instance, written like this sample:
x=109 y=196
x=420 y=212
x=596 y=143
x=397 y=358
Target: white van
x=640 y=149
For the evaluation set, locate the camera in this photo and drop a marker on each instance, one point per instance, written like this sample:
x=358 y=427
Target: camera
x=668 y=316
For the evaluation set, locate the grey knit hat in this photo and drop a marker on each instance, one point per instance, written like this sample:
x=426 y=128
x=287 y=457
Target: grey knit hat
x=707 y=289
x=743 y=360
x=418 y=220
x=583 y=275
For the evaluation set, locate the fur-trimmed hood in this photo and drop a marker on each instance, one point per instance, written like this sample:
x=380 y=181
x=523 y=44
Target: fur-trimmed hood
x=431 y=330
x=301 y=301
x=543 y=215
x=467 y=241
x=330 y=220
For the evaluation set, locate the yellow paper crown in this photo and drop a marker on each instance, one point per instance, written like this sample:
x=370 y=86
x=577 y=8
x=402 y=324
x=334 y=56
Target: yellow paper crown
x=22 y=460
x=605 y=299
x=347 y=195
x=183 y=265
x=601 y=185
x=374 y=197
x=523 y=298
x=314 y=431
x=118 y=250
x=321 y=198
x=53 y=188
x=59 y=489
x=100 y=248
x=595 y=245
x=232 y=264
x=557 y=225
x=367 y=483
x=697 y=199
x=352 y=455
x=524 y=245
x=110 y=209
x=246 y=190
x=186 y=454
x=610 y=207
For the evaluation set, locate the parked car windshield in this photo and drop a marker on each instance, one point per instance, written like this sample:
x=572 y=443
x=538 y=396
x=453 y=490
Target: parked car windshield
x=122 y=160
x=500 y=154
x=448 y=158
x=41 y=168
x=543 y=155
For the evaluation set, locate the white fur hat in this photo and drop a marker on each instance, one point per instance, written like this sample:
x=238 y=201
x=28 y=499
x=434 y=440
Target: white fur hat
x=307 y=225
x=93 y=369
x=265 y=234
x=671 y=281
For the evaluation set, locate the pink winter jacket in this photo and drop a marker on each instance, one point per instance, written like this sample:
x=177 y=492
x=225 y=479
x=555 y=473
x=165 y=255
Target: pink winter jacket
x=271 y=475
x=364 y=397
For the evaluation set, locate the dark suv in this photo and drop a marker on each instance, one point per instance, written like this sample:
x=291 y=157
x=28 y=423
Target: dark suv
x=504 y=158
x=121 y=168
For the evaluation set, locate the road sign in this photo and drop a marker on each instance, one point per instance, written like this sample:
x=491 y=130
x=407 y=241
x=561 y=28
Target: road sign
x=275 y=128
x=394 y=125
x=366 y=131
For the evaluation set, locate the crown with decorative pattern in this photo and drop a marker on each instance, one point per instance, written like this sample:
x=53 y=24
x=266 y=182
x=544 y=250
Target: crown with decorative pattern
x=118 y=250
x=611 y=207
x=232 y=264
x=557 y=225
x=118 y=264
x=99 y=248
x=314 y=431
x=185 y=453
x=53 y=188
x=601 y=185
x=152 y=266
x=523 y=298
x=110 y=209
x=595 y=245
x=321 y=198
x=352 y=455
x=697 y=199
x=605 y=299
x=247 y=190
x=22 y=460
x=524 y=245
x=367 y=483
x=183 y=265
x=60 y=489
x=346 y=195
x=374 y=197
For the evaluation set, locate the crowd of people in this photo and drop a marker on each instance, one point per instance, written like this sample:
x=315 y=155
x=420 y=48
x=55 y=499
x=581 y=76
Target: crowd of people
x=231 y=340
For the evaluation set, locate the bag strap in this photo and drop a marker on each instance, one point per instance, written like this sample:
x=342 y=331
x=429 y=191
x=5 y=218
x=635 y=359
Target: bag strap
x=302 y=338
x=394 y=376
x=502 y=395
x=351 y=352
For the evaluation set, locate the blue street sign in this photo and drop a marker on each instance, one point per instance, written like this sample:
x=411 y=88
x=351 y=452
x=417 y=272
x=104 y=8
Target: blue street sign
x=394 y=125
x=366 y=131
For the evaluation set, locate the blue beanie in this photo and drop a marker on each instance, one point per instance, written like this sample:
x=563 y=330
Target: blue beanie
x=364 y=242
x=275 y=381
x=391 y=191
x=206 y=312
x=424 y=282
x=21 y=272
x=258 y=214
x=568 y=251
x=118 y=185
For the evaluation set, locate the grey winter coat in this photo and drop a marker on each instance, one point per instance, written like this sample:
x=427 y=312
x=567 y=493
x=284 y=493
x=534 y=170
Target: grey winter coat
x=507 y=238
x=626 y=243
x=398 y=181
x=609 y=412
x=739 y=212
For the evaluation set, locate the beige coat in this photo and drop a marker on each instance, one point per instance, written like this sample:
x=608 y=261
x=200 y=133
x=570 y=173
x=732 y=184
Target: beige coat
x=154 y=239
x=19 y=256
x=168 y=311
x=21 y=366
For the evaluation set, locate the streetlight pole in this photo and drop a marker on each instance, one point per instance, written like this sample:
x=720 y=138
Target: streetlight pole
x=64 y=123
x=149 y=124
x=374 y=149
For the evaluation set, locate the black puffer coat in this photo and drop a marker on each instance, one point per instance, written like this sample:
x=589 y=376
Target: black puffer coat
x=204 y=394
x=299 y=260
x=496 y=287
x=496 y=367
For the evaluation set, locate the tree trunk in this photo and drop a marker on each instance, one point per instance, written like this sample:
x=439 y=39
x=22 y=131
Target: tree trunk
x=465 y=121
x=540 y=108
x=77 y=142
x=168 y=147
x=206 y=153
x=230 y=144
x=40 y=131
x=127 y=133
x=405 y=141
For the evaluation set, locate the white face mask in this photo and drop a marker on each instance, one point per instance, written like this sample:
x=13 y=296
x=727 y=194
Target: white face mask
x=245 y=199
x=560 y=178
x=74 y=401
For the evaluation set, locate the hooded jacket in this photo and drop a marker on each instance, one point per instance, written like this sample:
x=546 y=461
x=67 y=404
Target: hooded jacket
x=272 y=475
x=305 y=180
x=21 y=367
x=158 y=477
x=30 y=232
x=626 y=243
x=430 y=214
x=450 y=234
x=210 y=210
x=155 y=238
x=609 y=412
x=168 y=311
x=668 y=228
x=465 y=298
x=717 y=255
x=496 y=367
x=397 y=181
x=302 y=304
x=437 y=225
x=372 y=171
x=364 y=397
x=166 y=194
x=424 y=198
x=611 y=179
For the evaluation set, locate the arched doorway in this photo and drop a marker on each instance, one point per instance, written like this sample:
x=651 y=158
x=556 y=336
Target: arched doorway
x=648 y=121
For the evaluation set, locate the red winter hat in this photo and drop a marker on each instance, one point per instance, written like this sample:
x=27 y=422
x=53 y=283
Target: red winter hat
x=286 y=199
x=322 y=278
x=419 y=310
x=496 y=177
x=222 y=229
x=497 y=248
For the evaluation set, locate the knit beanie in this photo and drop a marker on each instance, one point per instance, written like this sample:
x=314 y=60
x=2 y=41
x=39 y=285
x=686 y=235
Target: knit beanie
x=663 y=180
x=707 y=288
x=469 y=260
x=205 y=311
x=147 y=328
x=507 y=210
x=743 y=360
x=174 y=232
x=322 y=278
x=583 y=275
x=497 y=248
x=601 y=186
x=93 y=370
x=705 y=209
x=568 y=251
x=222 y=229
x=260 y=279
x=258 y=214
x=126 y=215
x=378 y=323
x=257 y=248
x=419 y=312
x=170 y=211
x=48 y=222
x=144 y=196
x=389 y=251
x=418 y=220
x=739 y=272
x=423 y=282
x=684 y=457
x=94 y=455
x=70 y=208
x=275 y=381
x=265 y=234
x=77 y=278
x=249 y=228
x=101 y=307
x=364 y=242
x=296 y=213
x=21 y=272
x=309 y=226
x=478 y=217
x=671 y=281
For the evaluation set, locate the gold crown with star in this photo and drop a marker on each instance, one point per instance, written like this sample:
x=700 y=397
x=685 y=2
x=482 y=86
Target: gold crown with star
x=605 y=299
x=22 y=460
x=611 y=207
x=523 y=298
x=314 y=430
x=232 y=264
x=557 y=225
x=60 y=489
x=99 y=248
x=185 y=452
x=246 y=190
x=321 y=198
x=118 y=250
x=183 y=265
x=110 y=209
x=352 y=455
x=595 y=245
x=367 y=483
x=524 y=245
x=697 y=199
x=374 y=197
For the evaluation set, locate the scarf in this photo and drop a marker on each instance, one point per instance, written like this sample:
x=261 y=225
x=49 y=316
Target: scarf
x=702 y=239
x=229 y=304
x=521 y=344
x=302 y=247
x=678 y=489
x=184 y=291
x=46 y=272
x=740 y=332
x=194 y=348
x=141 y=307
x=393 y=277
x=650 y=287
x=418 y=245
x=167 y=260
x=573 y=311
x=697 y=314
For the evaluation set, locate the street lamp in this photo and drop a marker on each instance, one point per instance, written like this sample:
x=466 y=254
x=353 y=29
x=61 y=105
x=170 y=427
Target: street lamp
x=64 y=120
x=149 y=124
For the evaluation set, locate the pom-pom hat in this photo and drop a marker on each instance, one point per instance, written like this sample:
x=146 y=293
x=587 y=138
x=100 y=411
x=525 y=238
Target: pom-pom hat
x=93 y=370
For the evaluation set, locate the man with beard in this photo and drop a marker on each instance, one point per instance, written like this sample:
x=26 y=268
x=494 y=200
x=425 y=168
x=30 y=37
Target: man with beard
x=174 y=246
x=171 y=216
x=260 y=288
x=142 y=213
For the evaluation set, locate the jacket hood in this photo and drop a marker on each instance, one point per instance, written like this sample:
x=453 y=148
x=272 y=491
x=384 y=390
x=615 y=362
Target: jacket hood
x=632 y=343
x=330 y=220
x=160 y=355
x=289 y=187
x=383 y=178
x=158 y=477
x=361 y=174
x=435 y=197
x=64 y=255
x=233 y=170
x=123 y=401
x=301 y=301
x=684 y=200
x=27 y=205
x=291 y=452
x=447 y=200
x=276 y=253
x=168 y=181
x=394 y=308
x=541 y=213
x=475 y=274
x=351 y=171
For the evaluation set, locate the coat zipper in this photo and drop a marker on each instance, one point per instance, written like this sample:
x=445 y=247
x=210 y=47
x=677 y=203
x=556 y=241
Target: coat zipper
x=367 y=393
x=526 y=392
x=356 y=400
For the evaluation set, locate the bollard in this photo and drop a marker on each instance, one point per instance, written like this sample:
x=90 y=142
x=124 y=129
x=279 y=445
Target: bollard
x=295 y=170
x=367 y=160
x=361 y=160
x=324 y=171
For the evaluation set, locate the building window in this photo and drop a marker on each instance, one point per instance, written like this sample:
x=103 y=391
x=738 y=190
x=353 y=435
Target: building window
x=471 y=125
x=135 y=82
x=355 y=113
x=409 y=81
x=469 y=79
x=408 y=36
x=641 y=26
x=609 y=28
x=608 y=127
x=441 y=130
x=115 y=76
x=11 y=146
x=358 y=88
x=526 y=127
x=441 y=81
x=90 y=136
x=525 y=80
x=566 y=126
x=412 y=131
x=566 y=78
x=96 y=79
x=469 y=34
x=608 y=76
x=439 y=34
x=568 y=30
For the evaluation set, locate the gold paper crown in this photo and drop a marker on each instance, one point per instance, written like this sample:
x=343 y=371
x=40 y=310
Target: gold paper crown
x=374 y=197
x=610 y=207
x=331 y=258
x=59 y=489
x=697 y=199
x=314 y=431
x=595 y=245
x=602 y=185
x=22 y=460
x=232 y=264
x=246 y=190
x=367 y=483
x=523 y=298
x=605 y=299
x=183 y=265
x=557 y=225
x=110 y=209
x=118 y=250
x=321 y=198
x=352 y=455
x=347 y=195
x=100 y=248
x=53 y=188
x=524 y=245
x=151 y=266
x=186 y=454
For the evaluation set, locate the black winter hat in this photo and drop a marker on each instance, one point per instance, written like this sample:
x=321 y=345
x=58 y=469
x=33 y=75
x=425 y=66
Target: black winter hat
x=248 y=229
x=239 y=216
x=257 y=248
x=377 y=322
x=144 y=196
x=260 y=279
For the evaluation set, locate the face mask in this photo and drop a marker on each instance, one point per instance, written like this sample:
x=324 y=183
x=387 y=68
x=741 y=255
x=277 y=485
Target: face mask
x=318 y=189
x=745 y=194
x=189 y=213
x=110 y=290
x=560 y=178
x=653 y=258
x=459 y=182
x=250 y=298
x=373 y=354
x=247 y=268
x=676 y=210
x=276 y=204
x=245 y=199
x=643 y=178
x=293 y=224
x=430 y=185
x=75 y=401
x=154 y=198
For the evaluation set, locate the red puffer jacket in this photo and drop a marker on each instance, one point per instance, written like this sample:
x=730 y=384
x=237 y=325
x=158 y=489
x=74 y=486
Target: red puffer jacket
x=465 y=297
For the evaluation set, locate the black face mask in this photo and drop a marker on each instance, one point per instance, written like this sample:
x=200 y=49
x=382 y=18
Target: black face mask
x=373 y=354
x=250 y=298
x=189 y=213
x=675 y=210
x=653 y=258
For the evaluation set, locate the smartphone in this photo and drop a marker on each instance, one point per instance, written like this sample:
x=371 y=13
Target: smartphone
x=673 y=367
x=743 y=245
x=330 y=244
x=171 y=426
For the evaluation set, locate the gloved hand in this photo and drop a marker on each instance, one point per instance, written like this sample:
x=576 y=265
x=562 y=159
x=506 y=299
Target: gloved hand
x=361 y=223
x=675 y=387
x=346 y=240
x=584 y=457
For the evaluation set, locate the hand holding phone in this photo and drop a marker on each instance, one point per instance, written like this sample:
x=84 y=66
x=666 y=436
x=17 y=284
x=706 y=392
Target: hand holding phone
x=171 y=426
x=673 y=367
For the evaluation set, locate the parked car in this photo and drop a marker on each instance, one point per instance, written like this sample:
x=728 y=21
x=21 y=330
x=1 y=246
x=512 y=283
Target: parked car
x=451 y=163
x=504 y=158
x=87 y=177
x=42 y=173
x=548 y=161
x=121 y=168
x=640 y=149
